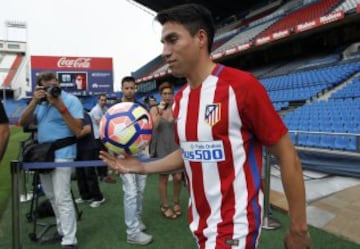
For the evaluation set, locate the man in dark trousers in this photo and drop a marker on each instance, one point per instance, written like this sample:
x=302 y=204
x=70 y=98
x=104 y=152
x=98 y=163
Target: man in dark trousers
x=86 y=176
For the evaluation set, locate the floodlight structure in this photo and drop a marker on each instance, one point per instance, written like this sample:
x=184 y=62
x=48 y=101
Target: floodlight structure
x=143 y=8
x=12 y=25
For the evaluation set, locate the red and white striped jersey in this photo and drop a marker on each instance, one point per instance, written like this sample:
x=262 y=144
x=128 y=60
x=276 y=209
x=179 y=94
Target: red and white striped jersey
x=221 y=126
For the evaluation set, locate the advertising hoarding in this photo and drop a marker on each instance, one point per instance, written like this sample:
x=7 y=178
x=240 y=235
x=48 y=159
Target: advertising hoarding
x=80 y=76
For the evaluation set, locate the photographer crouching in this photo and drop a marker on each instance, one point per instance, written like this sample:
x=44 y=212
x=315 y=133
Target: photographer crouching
x=58 y=115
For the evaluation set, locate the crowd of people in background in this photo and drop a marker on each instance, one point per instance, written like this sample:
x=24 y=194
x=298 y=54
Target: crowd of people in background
x=66 y=115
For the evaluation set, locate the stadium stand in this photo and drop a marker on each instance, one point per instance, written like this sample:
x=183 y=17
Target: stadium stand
x=245 y=36
x=348 y=5
x=306 y=13
x=12 y=69
x=316 y=93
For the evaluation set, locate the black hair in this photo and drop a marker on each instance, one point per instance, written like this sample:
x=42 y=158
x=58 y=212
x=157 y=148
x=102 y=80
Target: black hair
x=193 y=16
x=45 y=76
x=101 y=95
x=127 y=79
x=165 y=84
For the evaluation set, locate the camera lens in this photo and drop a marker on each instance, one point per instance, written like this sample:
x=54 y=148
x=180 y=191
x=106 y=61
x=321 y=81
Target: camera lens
x=55 y=91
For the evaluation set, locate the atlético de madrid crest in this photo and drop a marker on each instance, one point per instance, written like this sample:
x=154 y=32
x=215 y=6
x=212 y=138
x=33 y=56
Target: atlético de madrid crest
x=212 y=113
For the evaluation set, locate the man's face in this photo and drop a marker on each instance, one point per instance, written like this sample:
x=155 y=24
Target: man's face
x=43 y=92
x=79 y=80
x=102 y=101
x=152 y=101
x=180 y=50
x=128 y=90
x=52 y=82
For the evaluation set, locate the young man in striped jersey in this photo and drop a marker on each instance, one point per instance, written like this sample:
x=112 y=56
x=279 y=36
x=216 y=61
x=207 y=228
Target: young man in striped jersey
x=224 y=117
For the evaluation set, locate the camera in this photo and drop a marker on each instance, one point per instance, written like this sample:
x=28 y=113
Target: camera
x=163 y=105
x=54 y=91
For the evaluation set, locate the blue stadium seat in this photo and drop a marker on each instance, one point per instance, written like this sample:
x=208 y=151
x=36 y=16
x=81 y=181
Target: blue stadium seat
x=326 y=126
x=327 y=141
x=302 y=139
x=293 y=137
x=313 y=140
x=341 y=142
x=352 y=144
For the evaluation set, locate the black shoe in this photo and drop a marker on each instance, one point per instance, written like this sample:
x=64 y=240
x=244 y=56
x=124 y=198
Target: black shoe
x=57 y=237
x=69 y=247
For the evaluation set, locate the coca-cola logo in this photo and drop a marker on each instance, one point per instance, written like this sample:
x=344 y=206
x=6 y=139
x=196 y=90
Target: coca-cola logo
x=80 y=62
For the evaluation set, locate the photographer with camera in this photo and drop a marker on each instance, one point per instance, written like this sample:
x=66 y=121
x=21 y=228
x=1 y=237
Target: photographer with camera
x=58 y=115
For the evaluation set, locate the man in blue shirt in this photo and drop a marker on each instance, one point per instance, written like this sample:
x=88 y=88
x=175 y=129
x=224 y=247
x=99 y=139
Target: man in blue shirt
x=58 y=114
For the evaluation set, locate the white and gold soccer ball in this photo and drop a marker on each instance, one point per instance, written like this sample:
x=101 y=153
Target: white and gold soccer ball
x=126 y=128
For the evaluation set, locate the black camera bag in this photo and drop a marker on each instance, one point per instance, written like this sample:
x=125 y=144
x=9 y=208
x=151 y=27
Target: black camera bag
x=44 y=152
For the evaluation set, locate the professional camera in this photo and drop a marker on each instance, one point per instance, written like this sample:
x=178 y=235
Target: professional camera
x=54 y=91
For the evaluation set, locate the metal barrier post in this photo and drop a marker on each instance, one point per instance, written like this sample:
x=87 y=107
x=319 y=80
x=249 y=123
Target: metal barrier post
x=266 y=189
x=266 y=219
x=24 y=196
x=15 y=168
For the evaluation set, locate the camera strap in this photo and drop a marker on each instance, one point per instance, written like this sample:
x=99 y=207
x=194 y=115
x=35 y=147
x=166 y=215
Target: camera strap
x=63 y=142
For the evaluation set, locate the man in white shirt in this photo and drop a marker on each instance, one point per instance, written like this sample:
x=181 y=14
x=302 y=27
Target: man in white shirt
x=96 y=114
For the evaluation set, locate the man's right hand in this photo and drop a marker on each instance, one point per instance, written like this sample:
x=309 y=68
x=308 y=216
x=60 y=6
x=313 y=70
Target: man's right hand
x=39 y=94
x=124 y=165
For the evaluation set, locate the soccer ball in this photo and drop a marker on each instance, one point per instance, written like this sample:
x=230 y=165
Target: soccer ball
x=126 y=128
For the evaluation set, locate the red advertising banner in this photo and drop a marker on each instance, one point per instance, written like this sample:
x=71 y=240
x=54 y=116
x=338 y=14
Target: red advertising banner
x=263 y=40
x=358 y=8
x=230 y=51
x=280 y=34
x=77 y=75
x=244 y=46
x=67 y=62
x=217 y=55
x=306 y=26
x=332 y=17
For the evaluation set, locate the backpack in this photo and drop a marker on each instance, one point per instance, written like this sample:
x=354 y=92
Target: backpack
x=44 y=209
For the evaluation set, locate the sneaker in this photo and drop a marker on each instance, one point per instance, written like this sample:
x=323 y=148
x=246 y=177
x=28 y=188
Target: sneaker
x=139 y=238
x=69 y=247
x=81 y=200
x=271 y=224
x=142 y=226
x=57 y=237
x=95 y=204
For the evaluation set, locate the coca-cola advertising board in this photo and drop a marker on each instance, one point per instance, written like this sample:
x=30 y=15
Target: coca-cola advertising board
x=78 y=75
